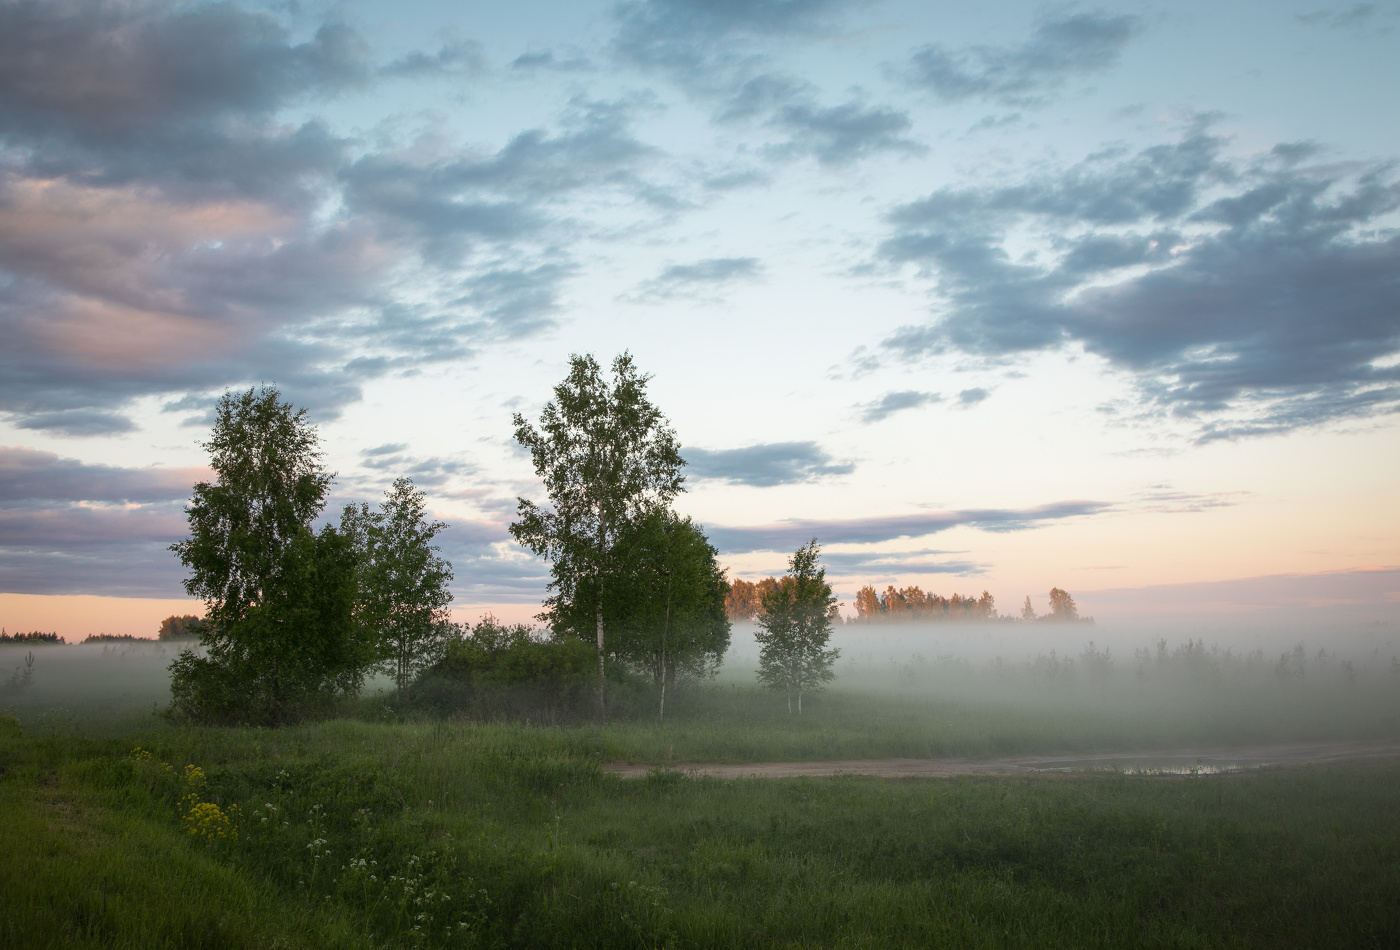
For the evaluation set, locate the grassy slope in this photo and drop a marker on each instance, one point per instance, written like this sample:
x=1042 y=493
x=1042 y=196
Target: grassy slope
x=521 y=841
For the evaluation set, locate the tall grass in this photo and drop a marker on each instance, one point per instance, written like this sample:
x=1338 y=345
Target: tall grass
x=353 y=833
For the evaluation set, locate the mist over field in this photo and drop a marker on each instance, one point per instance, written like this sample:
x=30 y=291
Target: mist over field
x=1124 y=687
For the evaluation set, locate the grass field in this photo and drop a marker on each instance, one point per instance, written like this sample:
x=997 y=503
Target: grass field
x=380 y=830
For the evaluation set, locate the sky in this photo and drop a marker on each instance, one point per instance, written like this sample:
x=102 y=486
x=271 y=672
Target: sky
x=1099 y=297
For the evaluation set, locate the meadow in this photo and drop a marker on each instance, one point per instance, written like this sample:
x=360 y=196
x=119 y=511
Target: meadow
x=385 y=828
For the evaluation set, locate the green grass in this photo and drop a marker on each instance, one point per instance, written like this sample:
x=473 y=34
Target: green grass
x=522 y=840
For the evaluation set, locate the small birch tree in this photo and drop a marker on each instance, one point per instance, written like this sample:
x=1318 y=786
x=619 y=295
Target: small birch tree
x=403 y=580
x=795 y=628
x=667 y=612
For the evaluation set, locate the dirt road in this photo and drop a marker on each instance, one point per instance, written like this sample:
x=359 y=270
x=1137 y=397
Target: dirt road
x=1179 y=761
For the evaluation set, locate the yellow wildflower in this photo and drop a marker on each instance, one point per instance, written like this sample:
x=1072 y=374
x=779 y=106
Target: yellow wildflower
x=205 y=820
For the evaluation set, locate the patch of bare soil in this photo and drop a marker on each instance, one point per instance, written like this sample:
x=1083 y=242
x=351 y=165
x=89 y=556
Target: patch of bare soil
x=1177 y=761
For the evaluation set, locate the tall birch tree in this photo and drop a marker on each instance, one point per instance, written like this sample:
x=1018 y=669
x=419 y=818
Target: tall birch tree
x=607 y=457
x=279 y=598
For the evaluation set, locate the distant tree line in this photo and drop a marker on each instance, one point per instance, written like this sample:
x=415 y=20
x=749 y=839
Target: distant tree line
x=35 y=636
x=912 y=605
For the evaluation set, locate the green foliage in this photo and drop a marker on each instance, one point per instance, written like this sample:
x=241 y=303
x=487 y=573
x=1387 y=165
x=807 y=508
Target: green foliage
x=667 y=609
x=270 y=486
x=280 y=637
x=291 y=655
x=606 y=457
x=403 y=581
x=509 y=671
x=795 y=627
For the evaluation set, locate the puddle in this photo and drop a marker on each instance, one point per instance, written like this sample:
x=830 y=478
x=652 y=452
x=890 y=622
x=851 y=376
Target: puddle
x=1149 y=766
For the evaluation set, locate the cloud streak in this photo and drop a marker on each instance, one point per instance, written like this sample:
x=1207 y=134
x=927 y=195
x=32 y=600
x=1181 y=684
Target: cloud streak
x=32 y=475
x=789 y=535
x=1059 y=48
x=764 y=465
x=703 y=278
x=890 y=403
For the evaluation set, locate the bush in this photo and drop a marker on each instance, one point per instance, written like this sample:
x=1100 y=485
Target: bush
x=512 y=671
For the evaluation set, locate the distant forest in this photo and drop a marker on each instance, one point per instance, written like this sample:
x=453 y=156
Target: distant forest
x=910 y=605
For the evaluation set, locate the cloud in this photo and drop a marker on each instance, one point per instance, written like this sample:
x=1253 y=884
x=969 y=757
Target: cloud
x=392 y=459
x=971 y=397
x=77 y=422
x=884 y=567
x=129 y=66
x=118 y=569
x=764 y=465
x=545 y=59
x=30 y=474
x=67 y=527
x=450 y=202
x=1277 y=601
x=703 y=277
x=1357 y=17
x=83 y=526
x=721 y=53
x=837 y=136
x=694 y=38
x=1059 y=48
x=456 y=58
x=166 y=230
x=1247 y=296
x=890 y=403
x=789 y=535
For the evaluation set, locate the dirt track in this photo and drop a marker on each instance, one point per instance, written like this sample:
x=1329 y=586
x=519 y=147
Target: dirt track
x=1174 y=761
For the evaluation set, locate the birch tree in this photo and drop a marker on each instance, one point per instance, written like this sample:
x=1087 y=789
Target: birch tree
x=795 y=628
x=279 y=598
x=403 y=580
x=606 y=457
x=668 y=612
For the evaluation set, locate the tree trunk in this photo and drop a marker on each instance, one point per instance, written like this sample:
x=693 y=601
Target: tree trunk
x=665 y=629
x=598 y=576
x=602 y=675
